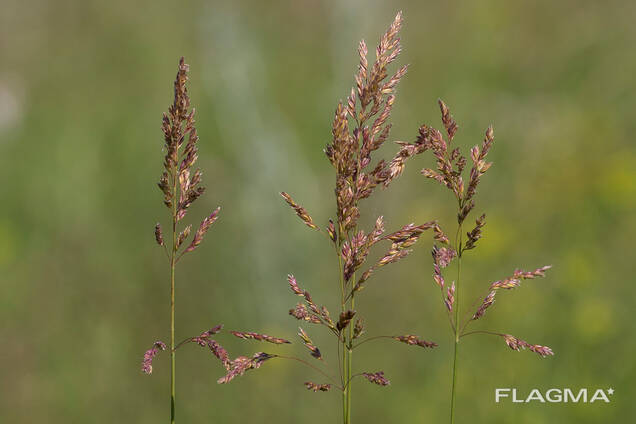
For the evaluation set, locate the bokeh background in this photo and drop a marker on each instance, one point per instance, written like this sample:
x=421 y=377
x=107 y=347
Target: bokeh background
x=84 y=288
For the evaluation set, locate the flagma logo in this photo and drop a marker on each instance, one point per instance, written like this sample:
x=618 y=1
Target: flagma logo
x=554 y=395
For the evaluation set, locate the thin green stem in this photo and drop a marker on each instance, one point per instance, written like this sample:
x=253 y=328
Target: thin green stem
x=344 y=342
x=173 y=258
x=458 y=247
x=172 y=345
x=350 y=360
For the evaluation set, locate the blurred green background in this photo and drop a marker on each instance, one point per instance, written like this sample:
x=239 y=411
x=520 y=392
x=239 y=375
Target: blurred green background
x=84 y=289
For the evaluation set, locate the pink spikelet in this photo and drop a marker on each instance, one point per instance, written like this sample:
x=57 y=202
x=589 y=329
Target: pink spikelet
x=146 y=365
x=203 y=228
x=376 y=378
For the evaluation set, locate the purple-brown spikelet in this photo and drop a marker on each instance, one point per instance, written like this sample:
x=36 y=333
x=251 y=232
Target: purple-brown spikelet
x=301 y=312
x=315 y=352
x=485 y=304
x=528 y=275
x=183 y=235
x=475 y=233
x=309 y=312
x=220 y=352
x=202 y=338
x=150 y=354
x=450 y=297
x=518 y=275
x=542 y=351
x=159 y=234
x=331 y=231
x=345 y=319
x=412 y=340
x=294 y=285
x=317 y=387
x=358 y=328
x=242 y=364
x=214 y=330
x=443 y=256
x=203 y=228
x=376 y=378
x=439 y=234
x=237 y=367
x=300 y=211
x=259 y=337
x=517 y=344
x=437 y=276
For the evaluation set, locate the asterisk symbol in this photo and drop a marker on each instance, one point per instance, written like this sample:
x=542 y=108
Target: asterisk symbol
x=610 y=391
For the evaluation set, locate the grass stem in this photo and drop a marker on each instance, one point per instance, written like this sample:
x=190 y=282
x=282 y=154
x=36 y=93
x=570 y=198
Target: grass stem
x=173 y=371
x=458 y=248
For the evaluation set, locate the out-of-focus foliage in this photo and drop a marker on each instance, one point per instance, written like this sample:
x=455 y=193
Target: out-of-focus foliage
x=83 y=290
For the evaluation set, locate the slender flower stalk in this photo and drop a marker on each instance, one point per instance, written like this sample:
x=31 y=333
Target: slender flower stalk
x=360 y=127
x=449 y=170
x=180 y=185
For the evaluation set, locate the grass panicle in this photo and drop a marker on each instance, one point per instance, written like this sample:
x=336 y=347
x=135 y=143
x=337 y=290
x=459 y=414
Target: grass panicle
x=449 y=172
x=181 y=186
x=360 y=127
